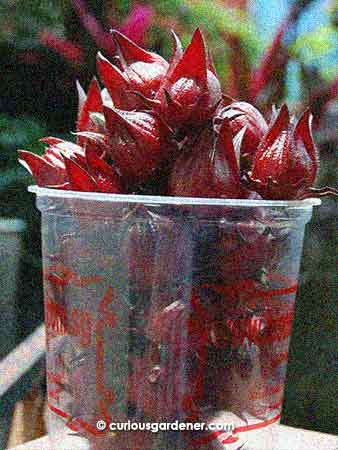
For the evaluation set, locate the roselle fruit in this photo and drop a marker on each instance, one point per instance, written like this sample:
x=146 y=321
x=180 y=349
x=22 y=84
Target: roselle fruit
x=68 y=166
x=209 y=168
x=286 y=162
x=144 y=71
x=244 y=115
x=191 y=92
x=138 y=142
x=165 y=128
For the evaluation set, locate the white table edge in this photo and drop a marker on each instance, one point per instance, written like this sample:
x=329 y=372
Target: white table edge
x=293 y=438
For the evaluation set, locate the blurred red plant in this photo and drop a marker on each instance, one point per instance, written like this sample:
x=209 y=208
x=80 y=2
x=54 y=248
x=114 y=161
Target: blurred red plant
x=262 y=85
x=135 y=26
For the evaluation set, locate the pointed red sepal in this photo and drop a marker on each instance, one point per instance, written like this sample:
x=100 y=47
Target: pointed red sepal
x=106 y=178
x=116 y=84
x=93 y=103
x=175 y=59
x=142 y=126
x=190 y=92
x=78 y=177
x=285 y=164
x=177 y=53
x=130 y=52
x=50 y=140
x=43 y=172
x=281 y=123
x=303 y=138
x=144 y=70
x=193 y=63
x=53 y=156
x=81 y=96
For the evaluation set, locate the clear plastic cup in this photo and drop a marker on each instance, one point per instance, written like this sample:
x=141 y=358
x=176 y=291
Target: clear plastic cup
x=167 y=310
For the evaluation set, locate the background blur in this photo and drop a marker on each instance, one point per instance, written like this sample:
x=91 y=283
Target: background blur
x=265 y=51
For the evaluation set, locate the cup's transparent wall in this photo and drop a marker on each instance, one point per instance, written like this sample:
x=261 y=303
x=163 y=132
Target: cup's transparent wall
x=167 y=313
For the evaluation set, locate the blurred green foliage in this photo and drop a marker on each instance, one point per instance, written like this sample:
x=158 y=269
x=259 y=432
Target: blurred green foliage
x=23 y=20
x=315 y=45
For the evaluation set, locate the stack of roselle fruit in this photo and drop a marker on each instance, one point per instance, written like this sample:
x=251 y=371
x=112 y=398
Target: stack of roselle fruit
x=165 y=128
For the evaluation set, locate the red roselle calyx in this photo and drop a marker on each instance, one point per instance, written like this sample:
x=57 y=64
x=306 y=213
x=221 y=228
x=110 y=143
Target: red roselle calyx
x=68 y=166
x=138 y=142
x=210 y=168
x=191 y=92
x=144 y=71
x=286 y=162
x=156 y=121
x=240 y=115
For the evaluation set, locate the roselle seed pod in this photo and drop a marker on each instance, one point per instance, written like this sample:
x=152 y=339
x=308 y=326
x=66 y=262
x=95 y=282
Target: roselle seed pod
x=286 y=162
x=240 y=115
x=190 y=92
x=143 y=70
x=127 y=95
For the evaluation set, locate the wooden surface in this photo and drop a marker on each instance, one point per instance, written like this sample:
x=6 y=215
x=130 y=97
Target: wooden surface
x=285 y=438
x=21 y=374
x=17 y=363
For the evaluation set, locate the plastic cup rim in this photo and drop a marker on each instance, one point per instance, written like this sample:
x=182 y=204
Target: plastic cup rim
x=168 y=200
